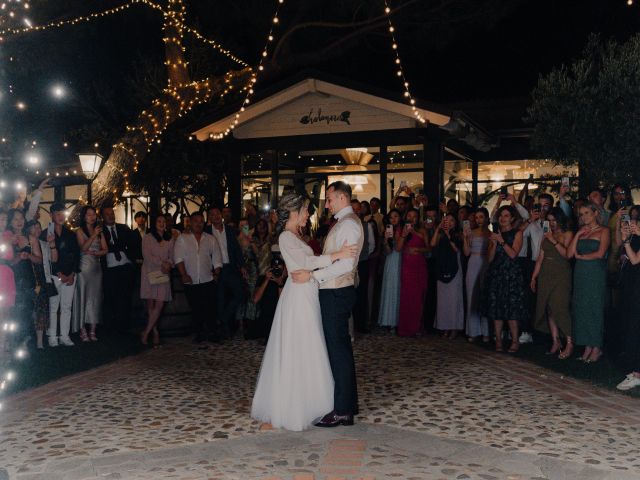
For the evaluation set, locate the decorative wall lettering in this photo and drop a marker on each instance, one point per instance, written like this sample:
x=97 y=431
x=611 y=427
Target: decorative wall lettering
x=317 y=117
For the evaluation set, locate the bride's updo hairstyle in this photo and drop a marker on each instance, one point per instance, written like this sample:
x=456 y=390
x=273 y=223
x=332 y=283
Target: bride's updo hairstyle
x=291 y=202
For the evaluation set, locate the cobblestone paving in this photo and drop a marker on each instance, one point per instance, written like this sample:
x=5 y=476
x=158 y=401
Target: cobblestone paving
x=430 y=409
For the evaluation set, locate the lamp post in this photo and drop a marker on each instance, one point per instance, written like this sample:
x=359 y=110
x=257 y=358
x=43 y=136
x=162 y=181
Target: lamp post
x=90 y=164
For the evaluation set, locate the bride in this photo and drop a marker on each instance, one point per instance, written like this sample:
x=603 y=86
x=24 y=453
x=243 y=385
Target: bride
x=295 y=385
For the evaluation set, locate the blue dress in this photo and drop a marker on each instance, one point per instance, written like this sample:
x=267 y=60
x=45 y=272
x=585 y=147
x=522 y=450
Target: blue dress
x=390 y=292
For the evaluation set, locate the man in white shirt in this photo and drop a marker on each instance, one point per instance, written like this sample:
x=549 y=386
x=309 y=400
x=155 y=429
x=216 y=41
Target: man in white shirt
x=199 y=260
x=337 y=299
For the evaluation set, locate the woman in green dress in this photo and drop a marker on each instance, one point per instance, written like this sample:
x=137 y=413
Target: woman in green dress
x=552 y=280
x=589 y=247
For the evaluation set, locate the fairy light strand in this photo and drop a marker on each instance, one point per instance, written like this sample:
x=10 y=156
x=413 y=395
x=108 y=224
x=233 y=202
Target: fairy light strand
x=275 y=21
x=398 y=63
x=111 y=11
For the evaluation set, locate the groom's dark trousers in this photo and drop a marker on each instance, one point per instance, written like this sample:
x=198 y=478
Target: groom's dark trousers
x=336 y=305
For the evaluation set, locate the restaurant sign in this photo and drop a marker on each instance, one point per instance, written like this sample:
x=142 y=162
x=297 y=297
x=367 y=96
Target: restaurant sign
x=316 y=116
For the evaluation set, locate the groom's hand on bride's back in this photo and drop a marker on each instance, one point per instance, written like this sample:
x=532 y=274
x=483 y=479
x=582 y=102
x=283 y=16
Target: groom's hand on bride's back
x=301 y=276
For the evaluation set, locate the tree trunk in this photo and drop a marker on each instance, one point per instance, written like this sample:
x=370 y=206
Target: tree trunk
x=177 y=99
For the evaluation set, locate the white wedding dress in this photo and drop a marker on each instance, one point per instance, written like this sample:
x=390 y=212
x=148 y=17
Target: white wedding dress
x=295 y=385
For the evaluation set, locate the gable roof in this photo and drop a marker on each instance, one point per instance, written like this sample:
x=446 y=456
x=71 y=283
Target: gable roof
x=319 y=85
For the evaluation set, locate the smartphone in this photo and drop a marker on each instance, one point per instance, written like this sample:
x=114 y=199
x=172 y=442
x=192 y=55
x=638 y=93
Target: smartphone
x=625 y=220
x=466 y=226
x=622 y=203
x=245 y=229
x=51 y=229
x=390 y=230
x=403 y=184
x=545 y=226
x=566 y=182
x=537 y=207
x=503 y=191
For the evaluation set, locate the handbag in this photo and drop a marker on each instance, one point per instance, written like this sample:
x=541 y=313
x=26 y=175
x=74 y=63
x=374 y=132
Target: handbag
x=157 y=277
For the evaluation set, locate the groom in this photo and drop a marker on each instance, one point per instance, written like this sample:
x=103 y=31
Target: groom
x=337 y=298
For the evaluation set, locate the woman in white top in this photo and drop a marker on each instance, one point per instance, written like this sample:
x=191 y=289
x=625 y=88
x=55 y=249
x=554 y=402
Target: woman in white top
x=295 y=385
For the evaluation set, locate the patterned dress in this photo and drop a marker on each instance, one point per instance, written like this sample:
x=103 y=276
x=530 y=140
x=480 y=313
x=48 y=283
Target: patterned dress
x=504 y=298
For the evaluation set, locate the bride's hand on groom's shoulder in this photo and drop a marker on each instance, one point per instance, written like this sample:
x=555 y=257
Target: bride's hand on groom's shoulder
x=301 y=276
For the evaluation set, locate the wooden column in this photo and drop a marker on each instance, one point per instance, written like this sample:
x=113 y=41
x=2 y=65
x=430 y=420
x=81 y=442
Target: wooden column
x=275 y=178
x=433 y=167
x=234 y=179
x=384 y=161
x=474 y=182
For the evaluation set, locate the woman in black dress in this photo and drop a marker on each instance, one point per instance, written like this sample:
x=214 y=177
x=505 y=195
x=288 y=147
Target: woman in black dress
x=629 y=305
x=505 y=295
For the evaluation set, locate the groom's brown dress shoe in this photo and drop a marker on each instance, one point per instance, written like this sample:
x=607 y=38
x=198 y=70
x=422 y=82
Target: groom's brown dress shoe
x=332 y=419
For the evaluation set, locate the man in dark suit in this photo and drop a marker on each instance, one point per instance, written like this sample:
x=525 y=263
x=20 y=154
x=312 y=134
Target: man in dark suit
x=138 y=234
x=118 y=271
x=231 y=286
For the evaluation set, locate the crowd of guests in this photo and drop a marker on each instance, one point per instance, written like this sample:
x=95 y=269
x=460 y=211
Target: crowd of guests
x=567 y=269
x=564 y=268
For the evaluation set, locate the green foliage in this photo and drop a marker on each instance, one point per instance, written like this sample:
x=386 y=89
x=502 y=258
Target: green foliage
x=588 y=111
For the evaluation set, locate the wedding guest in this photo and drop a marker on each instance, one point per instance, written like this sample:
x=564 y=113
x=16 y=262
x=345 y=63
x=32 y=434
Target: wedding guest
x=629 y=311
x=551 y=280
x=247 y=313
x=140 y=219
x=7 y=280
x=476 y=247
x=227 y=216
x=63 y=272
x=185 y=226
x=412 y=242
x=231 y=280
x=157 y=250
x=431 y=220
x=41 y=300
x=23 y=273
x=589 y=247
x=198 y=259
x=251 y=214
x=273 y=221
x=118 y=271
x=266 y=297
x=262 y=242
x=390 y=291
x=87 y=307
x=376 y=215
x=446 y=247
x=373 y=260
x=170 y=222
x=598 y=196
x=505 y=296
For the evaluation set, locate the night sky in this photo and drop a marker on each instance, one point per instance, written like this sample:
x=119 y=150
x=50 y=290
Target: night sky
x=102 y=63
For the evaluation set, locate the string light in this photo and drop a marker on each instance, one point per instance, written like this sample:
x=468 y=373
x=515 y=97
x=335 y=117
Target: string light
x=111 y=11
x=254 y=78
x=399 y=70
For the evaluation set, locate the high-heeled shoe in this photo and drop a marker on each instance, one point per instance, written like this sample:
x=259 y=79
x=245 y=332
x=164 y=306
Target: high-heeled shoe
x=83 y=335
x=555 y=347
x=567 y=351
x=593 y=359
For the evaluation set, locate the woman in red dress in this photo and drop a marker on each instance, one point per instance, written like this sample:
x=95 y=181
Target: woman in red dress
x=413 y=278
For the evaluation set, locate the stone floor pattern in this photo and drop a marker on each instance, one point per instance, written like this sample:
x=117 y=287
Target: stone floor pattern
x=430 y=409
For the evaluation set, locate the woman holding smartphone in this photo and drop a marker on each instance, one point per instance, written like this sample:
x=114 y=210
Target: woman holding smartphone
x=589 y=247
x=476 y=247
x=450 y=305
x=412 y=242
x=390 y=291
x=551 y=280
x=505 y=294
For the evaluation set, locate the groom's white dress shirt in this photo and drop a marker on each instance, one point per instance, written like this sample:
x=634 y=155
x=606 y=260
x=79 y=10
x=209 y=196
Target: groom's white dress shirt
x=347 y=230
